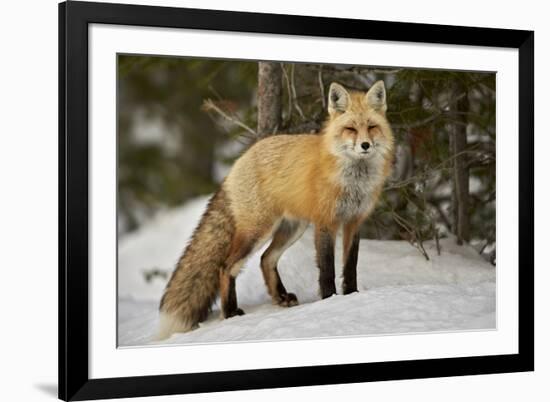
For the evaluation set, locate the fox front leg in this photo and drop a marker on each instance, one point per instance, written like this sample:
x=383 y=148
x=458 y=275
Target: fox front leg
x=324 y=245
x=351 y=253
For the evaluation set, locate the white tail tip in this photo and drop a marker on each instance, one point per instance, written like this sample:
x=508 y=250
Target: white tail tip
x=169 y=324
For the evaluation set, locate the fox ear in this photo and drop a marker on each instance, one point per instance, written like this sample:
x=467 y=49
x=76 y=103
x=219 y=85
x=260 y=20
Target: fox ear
x=338 y=98
x=376 y=96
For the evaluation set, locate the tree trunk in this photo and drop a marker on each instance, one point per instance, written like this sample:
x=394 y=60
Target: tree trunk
x=270 y=89
x=461 y=185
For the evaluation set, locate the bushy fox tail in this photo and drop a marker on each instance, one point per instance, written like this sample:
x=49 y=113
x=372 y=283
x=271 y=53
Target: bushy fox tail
x=195 y=282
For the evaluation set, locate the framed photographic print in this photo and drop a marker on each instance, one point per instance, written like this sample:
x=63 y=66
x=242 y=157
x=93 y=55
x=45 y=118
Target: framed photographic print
x=258 y=200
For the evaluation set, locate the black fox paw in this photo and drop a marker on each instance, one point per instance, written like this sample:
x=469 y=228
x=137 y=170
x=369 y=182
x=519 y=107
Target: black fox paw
x=287 y=300
x=350 y=290
x=234 y=313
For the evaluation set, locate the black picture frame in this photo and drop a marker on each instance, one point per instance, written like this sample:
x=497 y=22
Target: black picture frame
x=74 y=18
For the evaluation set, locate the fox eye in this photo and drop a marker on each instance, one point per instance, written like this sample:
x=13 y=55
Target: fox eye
x=353 y=130
x=371 y=126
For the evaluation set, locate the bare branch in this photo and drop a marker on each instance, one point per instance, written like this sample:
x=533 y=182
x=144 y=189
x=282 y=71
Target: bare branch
x=440 y=112
x=287 y=80
x=209 y=105
x=415 y=240
x=322 y=87
x=293 y=86
x=417 y=123
x=426 y=174
x=437 y=245
x=441 y=213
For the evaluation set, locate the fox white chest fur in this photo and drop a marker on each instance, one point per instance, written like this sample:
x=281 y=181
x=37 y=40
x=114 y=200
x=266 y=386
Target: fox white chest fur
x=361 y=180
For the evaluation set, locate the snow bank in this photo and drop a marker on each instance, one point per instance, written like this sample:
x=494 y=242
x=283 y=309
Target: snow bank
x=399 y=291
x=156 y=245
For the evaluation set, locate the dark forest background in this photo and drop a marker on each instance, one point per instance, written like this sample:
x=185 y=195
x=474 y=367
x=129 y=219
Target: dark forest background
x=183 y=121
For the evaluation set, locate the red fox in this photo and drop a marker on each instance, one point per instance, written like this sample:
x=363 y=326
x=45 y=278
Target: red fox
x=274 y=190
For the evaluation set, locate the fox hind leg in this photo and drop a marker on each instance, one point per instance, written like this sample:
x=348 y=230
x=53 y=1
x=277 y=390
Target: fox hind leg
x=241 y=247
x=228 y=295
x=287 y=233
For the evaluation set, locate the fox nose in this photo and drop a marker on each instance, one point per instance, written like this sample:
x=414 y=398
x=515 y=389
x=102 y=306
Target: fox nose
x=365 y=145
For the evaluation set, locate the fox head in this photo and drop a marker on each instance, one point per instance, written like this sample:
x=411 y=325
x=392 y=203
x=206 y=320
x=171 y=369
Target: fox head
x=357 y=127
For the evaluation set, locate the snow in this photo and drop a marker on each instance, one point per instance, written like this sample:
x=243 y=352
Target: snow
x=399 y=291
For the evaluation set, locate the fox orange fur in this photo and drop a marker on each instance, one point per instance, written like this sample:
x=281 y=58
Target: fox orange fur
x=274 y=190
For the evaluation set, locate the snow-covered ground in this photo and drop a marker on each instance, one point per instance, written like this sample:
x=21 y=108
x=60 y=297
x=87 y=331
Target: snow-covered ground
x=399 y=291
